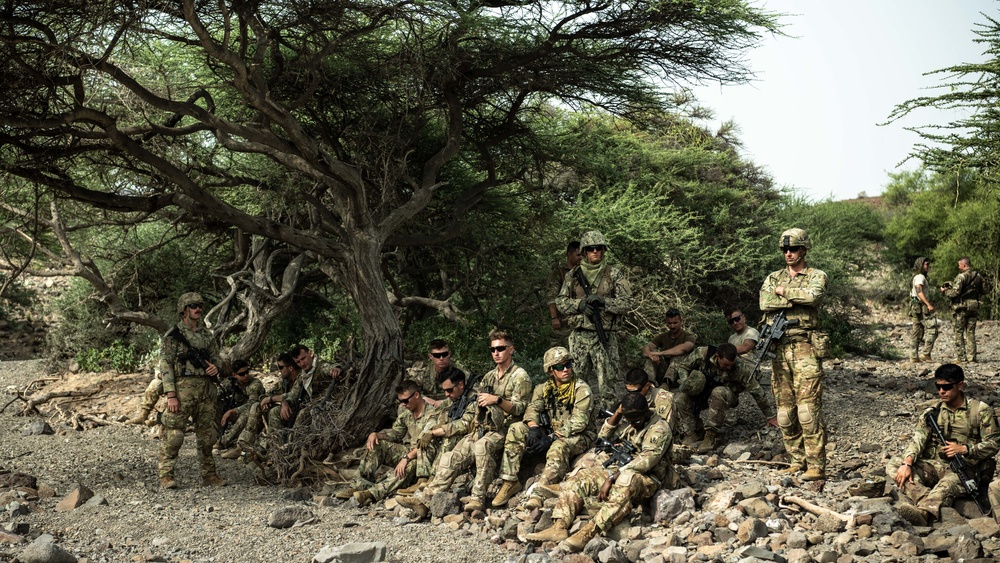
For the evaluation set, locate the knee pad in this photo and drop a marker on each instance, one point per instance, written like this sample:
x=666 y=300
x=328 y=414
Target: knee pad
x=480 y=449
x=784 y=420
x=445 y=462
x=807 y=414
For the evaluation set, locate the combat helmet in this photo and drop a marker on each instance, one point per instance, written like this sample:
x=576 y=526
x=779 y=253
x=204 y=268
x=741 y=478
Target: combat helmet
x=188 y=299
x=593 y=238
x=553 y=356
x=794 y=237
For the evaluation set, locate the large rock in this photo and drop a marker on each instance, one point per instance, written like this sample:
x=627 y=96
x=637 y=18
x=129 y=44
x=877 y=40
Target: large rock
x=798 y=555
x=612 y=554
x=288 y=516
x=76 y=498
x=751 y=529
x=750 y=490
x=796 y=540
x=985 y=526
x=44 y=550
x=666 y=505
x=756 y=508
x=965 y=548
x=594 y=546
x=37 y=428
x=352 y=553
x=443 y=504
x=828 y=523
x=720 y=502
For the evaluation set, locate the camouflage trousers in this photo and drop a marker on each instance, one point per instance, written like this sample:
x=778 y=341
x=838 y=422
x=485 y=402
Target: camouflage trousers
x=688 y=411
x=390 y=453
x=231 y=434
x=797 y=384
x=255 y=425
x=557 y=457
x=934 y=484
x=993 y=491
x=630 y=488
x=444 y=446
x=925 y=331
x=964 y=325
x=197 y=402
x=597 y=365
x=152 y=394
x=471 y=450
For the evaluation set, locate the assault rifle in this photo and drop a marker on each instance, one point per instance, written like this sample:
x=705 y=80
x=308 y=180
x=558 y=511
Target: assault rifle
x=228 y=400
x=199 y=357
x=595 y=315
x=621 y=453
x=769 y=334
x=956 y=462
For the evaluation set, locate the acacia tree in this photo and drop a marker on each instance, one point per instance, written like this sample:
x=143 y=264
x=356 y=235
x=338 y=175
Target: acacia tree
x=352 y=116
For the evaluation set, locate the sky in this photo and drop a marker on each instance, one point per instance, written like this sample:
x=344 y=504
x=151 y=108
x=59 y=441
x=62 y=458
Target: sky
x=811 y=116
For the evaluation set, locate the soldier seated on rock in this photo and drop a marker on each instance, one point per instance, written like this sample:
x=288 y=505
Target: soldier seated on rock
x=237 y=395
x=397 y=446
x=713 y=378
x=621 y=484
x=923 y=473
x=557 y=423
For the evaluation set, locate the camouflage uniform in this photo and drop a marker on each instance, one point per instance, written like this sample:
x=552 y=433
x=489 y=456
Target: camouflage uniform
x=196 y=394
x=428 y=379
x=247 y=399
x=310 y=386
x=599 y=365
x=934 y=484
x=797 y=370
x=964 y=293
x=553 y=286
x=255 y=417
x=152 y=394
x=393 y=445
x=649 y=470
x=573 y=421
x=703 y=384
x=658 y=372
x=925 y=323
x=493 y=422
x=456 y=420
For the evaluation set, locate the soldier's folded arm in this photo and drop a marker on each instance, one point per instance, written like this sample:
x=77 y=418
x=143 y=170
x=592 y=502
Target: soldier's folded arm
x=580 y=419
x=812 y=293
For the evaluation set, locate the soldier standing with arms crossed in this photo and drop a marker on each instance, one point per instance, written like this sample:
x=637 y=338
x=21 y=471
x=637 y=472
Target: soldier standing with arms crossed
x=797 y=371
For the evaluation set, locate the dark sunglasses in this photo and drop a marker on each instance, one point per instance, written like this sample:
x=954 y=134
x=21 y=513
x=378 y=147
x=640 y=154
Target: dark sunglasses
x=601 y=248
x=944 y=386
x=791 y=248
x=281 y=367
x=494 y=349
x=194 y=306
x=440 y=355
x=735 y=319
x=447 y=389
x=242 y=373
x=560 y=367
x=406 y=400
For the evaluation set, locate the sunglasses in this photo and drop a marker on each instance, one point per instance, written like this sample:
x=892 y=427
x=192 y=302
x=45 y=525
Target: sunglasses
x=944 y=386
x=281 y=367
x=791 y=248
x=194 y=306
x=498 y=349
x=447 y=389
x=601 y=248
x=243 y=373
x=406 y=400
x=735 y=319
x=560 y=367
x=440 y=355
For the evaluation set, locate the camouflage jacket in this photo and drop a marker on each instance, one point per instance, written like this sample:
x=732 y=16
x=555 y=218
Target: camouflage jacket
x=515 y=386
x=453 y=422
x=407 y=428
x=611 y=284
x=567 y=419
x=171 y=364
x=965 y=291
x=242 y=396
x=653 y=443
x=982 y=438
x=311 y=385
x=803 y=295
x=427 y=378
x=738 y=379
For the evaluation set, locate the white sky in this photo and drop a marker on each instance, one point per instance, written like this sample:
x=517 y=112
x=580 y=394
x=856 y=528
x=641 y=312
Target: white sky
x=811 y=116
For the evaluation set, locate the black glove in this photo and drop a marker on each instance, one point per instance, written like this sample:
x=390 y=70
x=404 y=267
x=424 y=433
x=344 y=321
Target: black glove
x=586 y=309
x=539 y=440
x=595 y=300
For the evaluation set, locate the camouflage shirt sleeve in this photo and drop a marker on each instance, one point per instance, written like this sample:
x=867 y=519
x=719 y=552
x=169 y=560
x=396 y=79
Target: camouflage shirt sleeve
x=655 y=443
x=957 y=286
x=519 y=392
x=768 y=300
x=294 y=394
x=989 y=443
x=813 y=291
x=168 y=354
x=921 y=436
x=621 y=303
x=461 y=426
x=536 y=405
x=681 y=367
x=607 y=430
x=554 y=284
x=565 y=302
x=579 y=421
x=400 y=426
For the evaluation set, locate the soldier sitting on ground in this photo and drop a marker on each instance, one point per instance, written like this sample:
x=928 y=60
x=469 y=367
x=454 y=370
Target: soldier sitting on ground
x=713 y=378
x=439 y=359
x=621 y=485
x=289 y=372
x=557 y=423
x=665 y=347
x=237 y=395
x=970 y=429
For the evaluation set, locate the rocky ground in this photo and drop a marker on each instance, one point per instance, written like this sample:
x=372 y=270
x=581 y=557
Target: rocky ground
x=738 y=506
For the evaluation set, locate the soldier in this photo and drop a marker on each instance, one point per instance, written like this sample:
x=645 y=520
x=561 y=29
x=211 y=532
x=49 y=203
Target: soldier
x=554 y=285
x=665 y=347
x=797 y=370
x=187 y=361
x=923 y=473
x=965 y=293
x=501 y=401
x=605 y=295
x=558 y=423
x=289 y=372
x=237 y=395
x=398 y=446
x=619 y=486
x=637 y=381
x=925 y=324
x=439 y=359
x=714 y=378
x=150 y=397
x=311 y=384
x=744 y=336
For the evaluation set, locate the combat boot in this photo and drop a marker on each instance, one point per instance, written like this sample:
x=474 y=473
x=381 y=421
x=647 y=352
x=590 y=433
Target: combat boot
x=364 y=498
x=509 y=489
x=557 y=532
x=912 y=514
x=412 y=489
x=474 y=504
x=168 y=482
x=414 y=504
x=346 y=493
x=794 y=467
x=139 y=418
x=707 y=444
x=533 y=503
x=232 y=453
x=581 y=538
x=213 y=480
x=813 y=474
x=691 y=439
x=925 y=357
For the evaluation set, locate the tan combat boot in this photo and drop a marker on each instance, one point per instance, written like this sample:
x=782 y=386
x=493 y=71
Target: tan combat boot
x=912 y=514
x=346 y=493
x=412 y=489
x=232 y=453
x=533 y=503
x=213 y=480
x=813 y=474
x=139 y=418
x=707 y=444
x=581 y=538
x=507 y=491
x=557 y=532
x=795 y=467
x=474 y=504
x=364 y=498
x=414 y=504
x=168 y=482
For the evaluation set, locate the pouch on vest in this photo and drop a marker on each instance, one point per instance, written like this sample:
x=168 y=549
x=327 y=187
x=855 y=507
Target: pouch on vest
x=820 y=341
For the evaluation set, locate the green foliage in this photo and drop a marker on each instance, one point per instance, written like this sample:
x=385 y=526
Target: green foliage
x=119 y=357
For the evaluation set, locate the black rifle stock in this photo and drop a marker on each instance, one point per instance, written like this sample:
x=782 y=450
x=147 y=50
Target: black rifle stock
x=956 y=462
x=769 y=334
x=621 y=453
x=602 y=336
